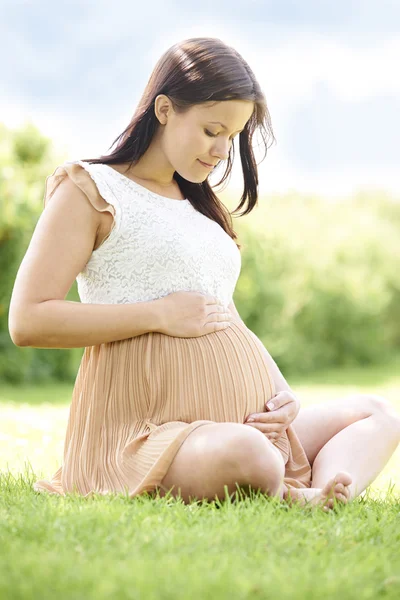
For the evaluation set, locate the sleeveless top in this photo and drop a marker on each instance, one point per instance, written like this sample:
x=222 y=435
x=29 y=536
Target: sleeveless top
x=157 y=245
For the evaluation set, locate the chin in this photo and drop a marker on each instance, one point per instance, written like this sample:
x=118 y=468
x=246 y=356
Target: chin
x=191 y=178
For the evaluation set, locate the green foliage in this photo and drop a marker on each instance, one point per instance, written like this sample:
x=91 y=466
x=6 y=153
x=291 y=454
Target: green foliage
x=319 y=282
x=25 y=162
x=29 y=145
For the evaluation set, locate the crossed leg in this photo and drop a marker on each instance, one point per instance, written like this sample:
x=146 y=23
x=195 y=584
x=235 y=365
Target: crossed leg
x=348 y=441
x=356 y=434
x=220 y=456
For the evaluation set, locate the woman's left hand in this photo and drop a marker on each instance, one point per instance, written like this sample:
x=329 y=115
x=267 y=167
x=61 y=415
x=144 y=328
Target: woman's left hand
x=274 y=423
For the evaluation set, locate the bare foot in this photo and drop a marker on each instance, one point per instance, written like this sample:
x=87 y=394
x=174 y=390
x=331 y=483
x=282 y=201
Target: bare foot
x=337 y=487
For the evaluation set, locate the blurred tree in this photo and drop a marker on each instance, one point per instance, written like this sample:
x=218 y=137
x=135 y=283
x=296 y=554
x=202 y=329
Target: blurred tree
x=26 y=159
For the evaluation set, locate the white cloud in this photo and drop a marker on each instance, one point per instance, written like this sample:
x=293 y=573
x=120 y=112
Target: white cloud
x=288 y=73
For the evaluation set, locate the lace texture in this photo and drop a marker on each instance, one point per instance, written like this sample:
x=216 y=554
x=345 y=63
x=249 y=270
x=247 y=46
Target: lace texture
x=157 y=246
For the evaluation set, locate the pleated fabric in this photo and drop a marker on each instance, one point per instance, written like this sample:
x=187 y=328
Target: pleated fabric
x=135 y=402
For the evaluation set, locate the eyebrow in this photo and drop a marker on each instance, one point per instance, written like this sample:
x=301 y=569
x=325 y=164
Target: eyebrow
x=224 y=126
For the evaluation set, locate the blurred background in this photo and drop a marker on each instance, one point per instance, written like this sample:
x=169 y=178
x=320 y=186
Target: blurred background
x=320 y=279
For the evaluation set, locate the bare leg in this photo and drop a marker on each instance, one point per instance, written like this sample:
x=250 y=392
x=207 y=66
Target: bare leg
x=223 y=455
x=361 y=449
x=350 y=461
x=347 y=441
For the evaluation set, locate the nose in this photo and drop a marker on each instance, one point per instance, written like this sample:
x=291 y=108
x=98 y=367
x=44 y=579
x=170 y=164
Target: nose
x=221 y=149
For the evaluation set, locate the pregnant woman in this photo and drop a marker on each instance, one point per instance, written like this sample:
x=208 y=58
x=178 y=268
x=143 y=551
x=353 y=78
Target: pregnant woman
x=171 y=376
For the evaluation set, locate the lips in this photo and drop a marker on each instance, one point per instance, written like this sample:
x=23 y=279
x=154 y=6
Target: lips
x=206 y=164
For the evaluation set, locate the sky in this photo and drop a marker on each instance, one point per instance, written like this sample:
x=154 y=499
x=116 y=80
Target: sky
x=329 y=71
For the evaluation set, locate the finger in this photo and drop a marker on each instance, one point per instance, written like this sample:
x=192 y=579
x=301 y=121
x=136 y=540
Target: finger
x=217 y=317
x=266 y=429
x=265 y=417
x=215 y=308
x=279 y=400
x=279 y=415
x=210 y=299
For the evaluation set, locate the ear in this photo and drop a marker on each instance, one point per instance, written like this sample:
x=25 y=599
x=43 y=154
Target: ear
x=162 y=107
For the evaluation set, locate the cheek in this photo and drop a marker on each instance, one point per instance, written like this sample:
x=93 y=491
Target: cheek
x=192 y=145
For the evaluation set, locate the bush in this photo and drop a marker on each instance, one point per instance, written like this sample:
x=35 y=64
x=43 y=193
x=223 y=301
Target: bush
x=319 y=282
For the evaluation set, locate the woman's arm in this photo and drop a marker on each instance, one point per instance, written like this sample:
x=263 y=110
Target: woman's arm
x=280 y=382
x=61 y=246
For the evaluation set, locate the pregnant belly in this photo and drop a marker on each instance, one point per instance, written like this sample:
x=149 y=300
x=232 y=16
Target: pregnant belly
x=222 y=376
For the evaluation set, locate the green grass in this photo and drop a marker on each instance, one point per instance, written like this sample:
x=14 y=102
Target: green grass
x=145 y=548
x=113 y=547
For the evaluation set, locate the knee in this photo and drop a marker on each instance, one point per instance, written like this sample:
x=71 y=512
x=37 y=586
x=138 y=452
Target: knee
x=258 y=460
x=383 y=407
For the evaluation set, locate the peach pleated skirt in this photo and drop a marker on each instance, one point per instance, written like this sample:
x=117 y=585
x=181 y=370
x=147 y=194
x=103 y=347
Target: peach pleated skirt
x=135 y=402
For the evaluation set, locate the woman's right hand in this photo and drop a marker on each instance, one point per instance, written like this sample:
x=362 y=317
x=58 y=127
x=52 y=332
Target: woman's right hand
x=191 y=314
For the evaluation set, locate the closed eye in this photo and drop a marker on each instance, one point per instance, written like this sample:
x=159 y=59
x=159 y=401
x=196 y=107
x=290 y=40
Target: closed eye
x=212 y=134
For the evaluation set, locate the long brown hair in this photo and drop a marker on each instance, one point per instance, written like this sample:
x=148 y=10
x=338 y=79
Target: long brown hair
x=195 y=71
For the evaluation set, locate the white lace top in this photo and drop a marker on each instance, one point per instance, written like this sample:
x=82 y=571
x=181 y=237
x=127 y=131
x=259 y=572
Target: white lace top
x=157 y=246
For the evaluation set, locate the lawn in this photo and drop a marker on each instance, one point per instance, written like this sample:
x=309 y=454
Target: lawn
x=116 y=547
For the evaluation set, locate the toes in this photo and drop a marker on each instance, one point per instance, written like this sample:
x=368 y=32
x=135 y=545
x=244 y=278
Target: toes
x=330 y=502
x=346 y=492
x=343 y=477
x=329 y=487
x=342 y=489
x=341 y=498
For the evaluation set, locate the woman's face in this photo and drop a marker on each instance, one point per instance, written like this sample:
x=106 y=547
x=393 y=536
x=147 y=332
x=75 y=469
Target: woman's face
x=200 y=135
